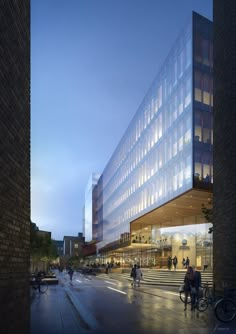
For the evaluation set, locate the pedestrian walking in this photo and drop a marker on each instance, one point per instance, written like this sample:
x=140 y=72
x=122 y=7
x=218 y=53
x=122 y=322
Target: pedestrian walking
x=197 y=285
x=175 y=262
x=71 y=272
x=139 y=275
x=187 y=262
x=189 y=284
x=169 y=262
x=183 y=262
x=133 y=275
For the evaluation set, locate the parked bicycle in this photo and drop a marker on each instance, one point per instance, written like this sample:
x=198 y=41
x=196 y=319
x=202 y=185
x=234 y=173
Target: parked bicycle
x=225 y=308
x=39 y=284
x=209 y=297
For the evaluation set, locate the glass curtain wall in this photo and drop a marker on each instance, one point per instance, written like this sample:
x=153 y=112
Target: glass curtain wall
x=203 y=102
x=153 y=161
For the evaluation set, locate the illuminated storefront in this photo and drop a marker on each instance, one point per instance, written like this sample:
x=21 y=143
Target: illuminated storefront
x=152 y=189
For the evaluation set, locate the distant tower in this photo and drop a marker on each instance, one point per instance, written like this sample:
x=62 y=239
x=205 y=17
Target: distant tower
x=14 y=165
x=224 y=194
x=90 y=208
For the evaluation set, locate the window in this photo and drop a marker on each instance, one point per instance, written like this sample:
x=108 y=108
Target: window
x=198 y=95
x=187 y=93
x=205 y=52
x=198 y=133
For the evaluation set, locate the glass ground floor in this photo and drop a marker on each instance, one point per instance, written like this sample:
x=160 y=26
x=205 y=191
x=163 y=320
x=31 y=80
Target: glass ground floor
x=177 y=228
x=153 y=249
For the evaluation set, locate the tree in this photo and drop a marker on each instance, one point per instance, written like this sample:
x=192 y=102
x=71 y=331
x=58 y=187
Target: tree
x=42 y=249
x=208 y=213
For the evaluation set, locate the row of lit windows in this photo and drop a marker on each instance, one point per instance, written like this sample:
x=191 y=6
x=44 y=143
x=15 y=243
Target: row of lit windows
x=153 y=159
x=167 y=84
x=162 y=188
x=177 y=175
x=203 y=135
x=203 y=97
x=159 y=127
x=203 y=172
x=173 y=109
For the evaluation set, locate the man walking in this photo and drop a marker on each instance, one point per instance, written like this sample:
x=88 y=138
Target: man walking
x=175 y=262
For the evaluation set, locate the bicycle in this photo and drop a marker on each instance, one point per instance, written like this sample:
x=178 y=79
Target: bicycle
x=225 y=308
x=38 y=284
x=206 y=292
x=182 y=297
x=182 y=294
x=209 y=298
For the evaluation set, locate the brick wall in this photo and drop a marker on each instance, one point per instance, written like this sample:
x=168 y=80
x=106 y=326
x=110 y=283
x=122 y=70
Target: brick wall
x=14 y=165
x=224 y=197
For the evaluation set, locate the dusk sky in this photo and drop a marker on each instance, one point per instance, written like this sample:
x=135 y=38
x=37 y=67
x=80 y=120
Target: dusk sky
x=92 y=62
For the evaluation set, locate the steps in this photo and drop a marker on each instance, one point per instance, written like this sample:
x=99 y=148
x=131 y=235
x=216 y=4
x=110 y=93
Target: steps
x=161 y=277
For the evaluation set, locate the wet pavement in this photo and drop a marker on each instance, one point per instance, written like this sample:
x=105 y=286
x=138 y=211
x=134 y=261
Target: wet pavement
x=105 y=305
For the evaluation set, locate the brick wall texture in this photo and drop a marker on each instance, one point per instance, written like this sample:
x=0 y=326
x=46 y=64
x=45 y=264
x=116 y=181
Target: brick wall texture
x=14 y=165
x=224 y=192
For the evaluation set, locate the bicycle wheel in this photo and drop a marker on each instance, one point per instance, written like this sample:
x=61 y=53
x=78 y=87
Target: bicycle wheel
x=43 y=286
x=202 y=304
x=182 y=297
x=225 y=310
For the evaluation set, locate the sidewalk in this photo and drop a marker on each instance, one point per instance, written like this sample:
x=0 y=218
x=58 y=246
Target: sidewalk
x=54 y=313
x=57 y=312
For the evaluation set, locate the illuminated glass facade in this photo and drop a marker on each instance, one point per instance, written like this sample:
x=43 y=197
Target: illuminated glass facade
x=167 y=149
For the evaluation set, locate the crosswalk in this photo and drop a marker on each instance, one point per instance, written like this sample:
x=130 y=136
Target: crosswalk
x=158 y=277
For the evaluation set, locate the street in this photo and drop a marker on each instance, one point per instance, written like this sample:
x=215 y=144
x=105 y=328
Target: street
x=104 y=305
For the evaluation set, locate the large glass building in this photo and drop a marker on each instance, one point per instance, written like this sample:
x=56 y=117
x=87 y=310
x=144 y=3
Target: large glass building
x=151 y=192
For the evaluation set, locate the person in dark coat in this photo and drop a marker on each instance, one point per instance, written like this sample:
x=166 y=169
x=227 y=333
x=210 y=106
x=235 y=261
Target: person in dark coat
x=175 y=261
x=189 y=283
x=169 y=262
x=133 y=275
x=197 y=285
x=71 y=272
x=187 y=262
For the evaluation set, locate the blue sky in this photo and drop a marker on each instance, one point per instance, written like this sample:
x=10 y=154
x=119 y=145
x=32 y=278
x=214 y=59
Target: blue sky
x=92 y=61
